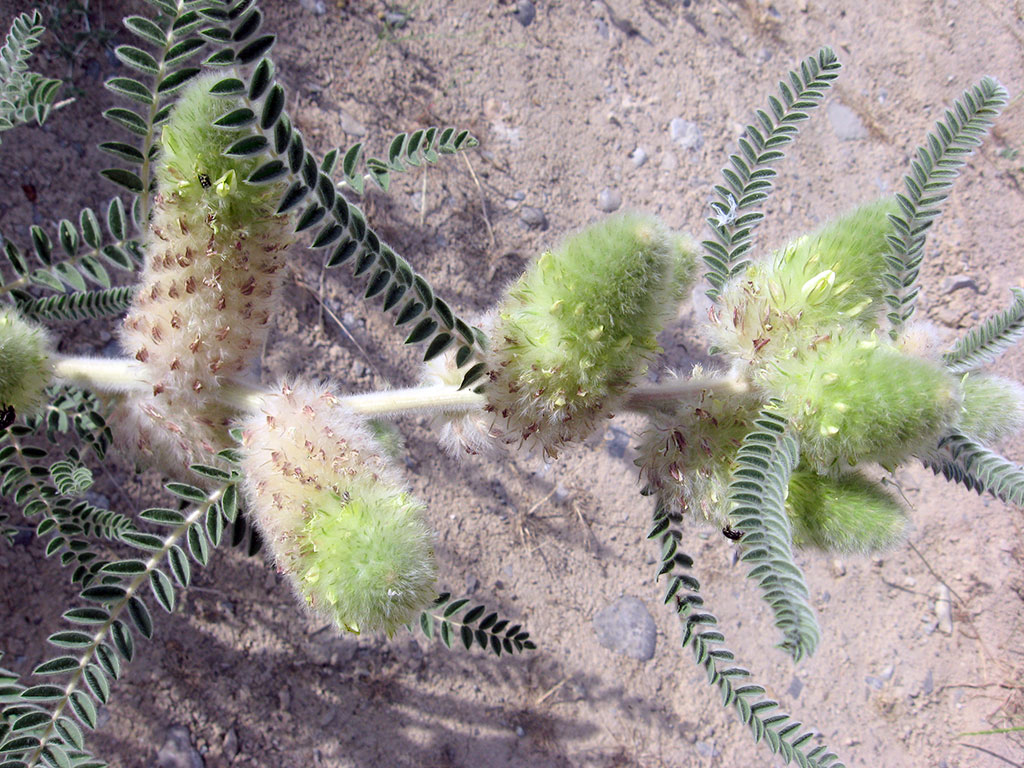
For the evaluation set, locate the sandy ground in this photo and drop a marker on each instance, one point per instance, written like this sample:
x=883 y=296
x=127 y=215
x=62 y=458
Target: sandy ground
x=240 y=676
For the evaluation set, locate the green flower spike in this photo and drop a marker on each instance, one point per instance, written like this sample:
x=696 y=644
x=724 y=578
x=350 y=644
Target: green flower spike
x=26 y=367
x=857 y=398
x=820 y=281
x=335 y=513
x=210 y=286
x=576 y=331
x=993 y=408
x=848 y=514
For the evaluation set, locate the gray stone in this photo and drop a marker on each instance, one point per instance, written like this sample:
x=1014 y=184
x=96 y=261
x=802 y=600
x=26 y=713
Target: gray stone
x=525 y=12
x=706 y=749
x=560 y=494
x=314 y=6
x=177 y=751
x=609 y=200
x=845 y=122
x=626 y=627
x=532 y=217
x=23 y=536
x=944 y=609
x=958 y=282
x=638 y=156
x=796 y=686
x=686 y=134
x=350 y=125
x=231 y=748
x=928 y=684
x=618 y=441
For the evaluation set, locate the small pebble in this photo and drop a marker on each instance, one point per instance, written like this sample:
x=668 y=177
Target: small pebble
x=314 y=6
x=532 y=217
x=350 y=125
x=944 y=609
x=396 y=19
x=638 y=156
x=609 y=200
x=231 y=748
x=177 y=751
x=845 y=122
x=838 y=568
x=24 y=534
x=686 y=134
x=626 y=627
x=928 y=684
x=706 y=749
x=618 y=441
x=958 y=282
x=525 y=12
x=472 y=584
x=796 y=685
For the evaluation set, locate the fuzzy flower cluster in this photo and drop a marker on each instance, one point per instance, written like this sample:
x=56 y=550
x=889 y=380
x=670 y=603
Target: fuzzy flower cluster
x=26 y=363
x=211 y=280
x=805 y=328
x=577 y=330
x=335 y=513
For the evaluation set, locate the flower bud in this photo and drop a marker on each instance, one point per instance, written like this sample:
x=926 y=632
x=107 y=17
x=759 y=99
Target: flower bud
x=846 y=514
x=26 y=367
x=857 y=398
x=993 y=408
x=334 y=512
x=577 y=329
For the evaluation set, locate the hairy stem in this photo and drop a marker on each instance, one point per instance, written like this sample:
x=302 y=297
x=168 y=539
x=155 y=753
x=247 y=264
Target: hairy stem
x=124 y=376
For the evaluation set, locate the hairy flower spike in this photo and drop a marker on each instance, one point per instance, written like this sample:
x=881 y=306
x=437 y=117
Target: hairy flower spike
x=335 y=513
x=858 y=398
x=26 y=367
x=209 y=289
x=847 y=514
x=820 y=281
x=577 y=329
x=993 y=408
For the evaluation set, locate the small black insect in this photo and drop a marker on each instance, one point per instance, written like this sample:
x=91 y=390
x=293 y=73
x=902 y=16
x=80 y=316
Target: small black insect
x=7 y=416
x=204 y=181
x=729 y=533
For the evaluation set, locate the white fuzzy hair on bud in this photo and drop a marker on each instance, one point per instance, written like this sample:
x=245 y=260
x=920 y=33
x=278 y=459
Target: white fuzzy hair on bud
x=334 y=511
